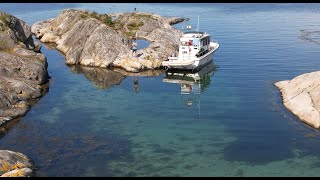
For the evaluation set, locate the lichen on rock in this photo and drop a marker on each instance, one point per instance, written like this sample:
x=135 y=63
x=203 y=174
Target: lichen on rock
x=15 y=164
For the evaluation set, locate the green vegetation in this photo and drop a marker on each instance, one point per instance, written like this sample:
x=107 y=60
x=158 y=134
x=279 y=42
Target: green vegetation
x=4 y=21
x=4 y=18
x=108 y=21
x=135 y=26
x=130 y=34
x=128 y=29
x=3 y=45
x=148 y=57
x=104 y=18
x=144 y=16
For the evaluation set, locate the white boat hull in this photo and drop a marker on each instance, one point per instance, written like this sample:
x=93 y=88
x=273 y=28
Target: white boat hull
x=192 y=63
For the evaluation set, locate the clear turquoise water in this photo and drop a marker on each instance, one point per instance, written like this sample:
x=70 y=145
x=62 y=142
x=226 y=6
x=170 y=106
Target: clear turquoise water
x=237 y=126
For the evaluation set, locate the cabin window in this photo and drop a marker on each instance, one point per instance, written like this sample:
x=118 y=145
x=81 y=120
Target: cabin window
x=184 y=52
x=195 y=41
x=205 y=42
x=184 y=43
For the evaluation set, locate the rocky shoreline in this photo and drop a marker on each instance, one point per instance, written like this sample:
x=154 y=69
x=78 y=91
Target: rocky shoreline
x=23 y=80
x=87 y=39
x=23 y=69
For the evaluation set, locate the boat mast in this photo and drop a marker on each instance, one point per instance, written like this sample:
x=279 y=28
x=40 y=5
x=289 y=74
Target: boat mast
x=198 y=25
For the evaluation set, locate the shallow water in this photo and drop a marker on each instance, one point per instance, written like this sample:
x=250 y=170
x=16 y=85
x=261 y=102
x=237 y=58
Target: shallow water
x=92 y=123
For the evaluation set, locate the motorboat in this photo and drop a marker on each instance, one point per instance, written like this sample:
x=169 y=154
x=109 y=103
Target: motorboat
x=196 y=49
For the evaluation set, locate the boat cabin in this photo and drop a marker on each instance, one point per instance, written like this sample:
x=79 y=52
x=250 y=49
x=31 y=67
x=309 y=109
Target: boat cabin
x=194 y=44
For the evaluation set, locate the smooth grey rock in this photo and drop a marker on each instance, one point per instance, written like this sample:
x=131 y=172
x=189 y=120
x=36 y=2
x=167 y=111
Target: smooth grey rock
x=301 y=96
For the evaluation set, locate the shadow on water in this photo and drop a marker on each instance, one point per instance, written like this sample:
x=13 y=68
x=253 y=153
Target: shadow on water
x=257 y=152
x=259 y=142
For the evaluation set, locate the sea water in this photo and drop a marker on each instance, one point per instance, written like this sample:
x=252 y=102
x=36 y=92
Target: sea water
x=93 y=123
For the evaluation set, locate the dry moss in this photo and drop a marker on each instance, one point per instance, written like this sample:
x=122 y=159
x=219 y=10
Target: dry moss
x=135 y=26
x=144 y=16
x=4 y=23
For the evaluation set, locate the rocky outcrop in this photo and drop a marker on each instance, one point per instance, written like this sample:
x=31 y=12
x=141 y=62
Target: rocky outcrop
x=14 y=164
x=23 y=69
x=301 y=96
x=92 y=39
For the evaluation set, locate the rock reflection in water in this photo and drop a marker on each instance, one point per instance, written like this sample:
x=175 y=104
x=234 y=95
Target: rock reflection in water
x=151 y=72
x=101 y=77
x=51 y=46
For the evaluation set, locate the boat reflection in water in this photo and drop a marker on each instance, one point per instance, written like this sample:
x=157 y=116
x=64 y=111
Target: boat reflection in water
x=192 y=84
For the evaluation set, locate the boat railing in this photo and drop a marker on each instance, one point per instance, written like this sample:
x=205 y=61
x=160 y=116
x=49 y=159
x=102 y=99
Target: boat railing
x=214 y=41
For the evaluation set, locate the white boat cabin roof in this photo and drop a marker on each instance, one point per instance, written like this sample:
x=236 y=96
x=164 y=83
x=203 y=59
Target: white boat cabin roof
x=193 y=34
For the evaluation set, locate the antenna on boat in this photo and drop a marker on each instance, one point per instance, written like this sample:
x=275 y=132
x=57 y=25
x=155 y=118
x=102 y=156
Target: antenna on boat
x=198 y=25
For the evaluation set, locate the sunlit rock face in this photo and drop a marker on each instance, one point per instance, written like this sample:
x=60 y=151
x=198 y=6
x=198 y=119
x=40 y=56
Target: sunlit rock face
x=301 y=96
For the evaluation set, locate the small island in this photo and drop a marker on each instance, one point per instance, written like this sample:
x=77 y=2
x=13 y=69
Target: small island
x=103 y=40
